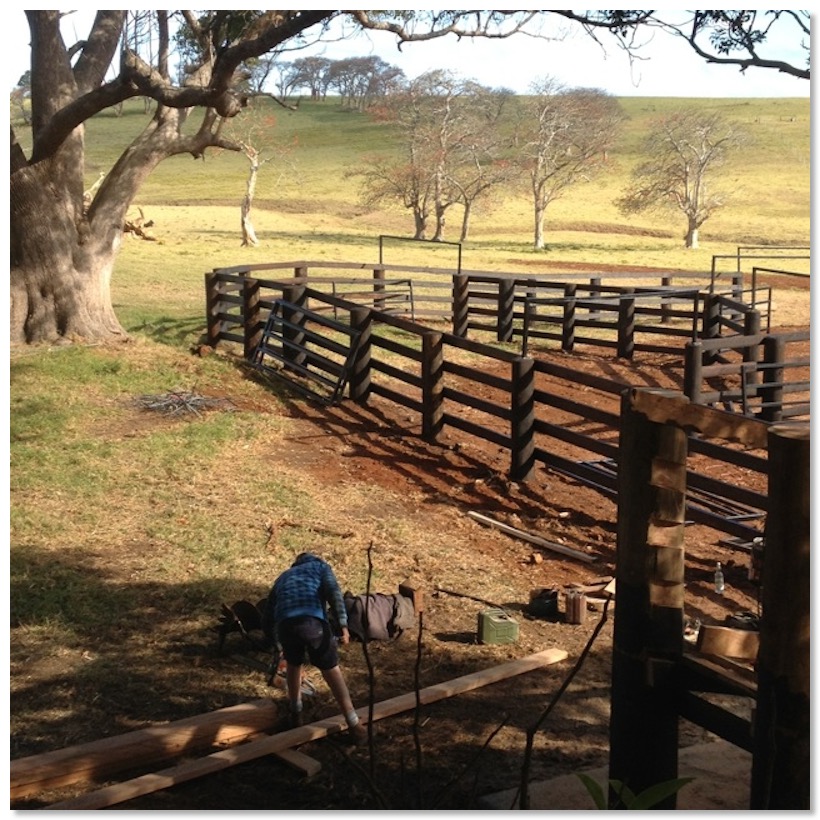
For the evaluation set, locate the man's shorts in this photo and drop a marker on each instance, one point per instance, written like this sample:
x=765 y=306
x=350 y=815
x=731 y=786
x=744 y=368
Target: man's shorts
x=308 y=635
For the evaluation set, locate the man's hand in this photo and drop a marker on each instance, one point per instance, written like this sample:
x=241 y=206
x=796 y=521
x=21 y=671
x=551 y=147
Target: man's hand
x=345 y=636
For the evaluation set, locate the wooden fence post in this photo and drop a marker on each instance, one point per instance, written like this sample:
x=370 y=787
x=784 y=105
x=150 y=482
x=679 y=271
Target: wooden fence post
x=522 y=431
x=751 y=327
x=460 y=304
x=252 y=324
x=774 y=354
x=781 y=770
x=432 y=384
x=666 y=282
x=292 y=336
x=378 y=288
x=213 y=323
x=626 y=324
x=361 y=320
x=594 y=291
x=568 y=326
x=648 y=624
x=711 y=323
x=737 y=287
x=693 y=371
x=506 y=307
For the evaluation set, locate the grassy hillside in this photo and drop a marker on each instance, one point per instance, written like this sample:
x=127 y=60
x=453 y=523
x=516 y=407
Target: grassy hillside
x=307 y=203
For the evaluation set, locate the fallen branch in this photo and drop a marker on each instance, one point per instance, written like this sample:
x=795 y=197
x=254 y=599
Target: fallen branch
x=182 y=401
x=192 y=769
x=534 y=539
x=469 y=597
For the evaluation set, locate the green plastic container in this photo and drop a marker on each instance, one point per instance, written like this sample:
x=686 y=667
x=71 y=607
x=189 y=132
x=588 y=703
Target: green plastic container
x=496 y=626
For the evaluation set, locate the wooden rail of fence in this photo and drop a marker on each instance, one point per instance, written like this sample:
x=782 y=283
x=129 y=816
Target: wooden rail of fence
x=754 y=372
x=623 y=318
x=450 y=381
x=509 y=307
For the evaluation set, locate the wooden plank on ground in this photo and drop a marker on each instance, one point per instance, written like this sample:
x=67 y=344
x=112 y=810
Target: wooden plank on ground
x=190 y=770
x=308 y=766
x=102 y=759
x=534 y=539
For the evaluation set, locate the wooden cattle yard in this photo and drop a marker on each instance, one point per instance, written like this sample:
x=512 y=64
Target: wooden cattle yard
x=659 y=456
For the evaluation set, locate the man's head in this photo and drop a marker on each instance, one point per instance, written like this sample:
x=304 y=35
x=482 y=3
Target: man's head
x=303 y=557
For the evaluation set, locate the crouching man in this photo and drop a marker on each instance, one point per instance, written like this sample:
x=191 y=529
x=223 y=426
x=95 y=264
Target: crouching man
x=296 y=617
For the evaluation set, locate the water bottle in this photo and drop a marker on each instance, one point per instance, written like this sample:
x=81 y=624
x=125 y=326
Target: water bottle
x=719 y=582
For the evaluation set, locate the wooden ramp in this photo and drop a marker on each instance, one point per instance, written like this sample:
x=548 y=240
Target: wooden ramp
x=192 y=769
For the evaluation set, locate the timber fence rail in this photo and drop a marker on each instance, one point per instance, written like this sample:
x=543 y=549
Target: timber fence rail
x=577 y=309
x=484 y=391
x=755 y=373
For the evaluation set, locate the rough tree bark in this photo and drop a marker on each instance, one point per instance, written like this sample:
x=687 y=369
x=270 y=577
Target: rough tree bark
x=63 y=248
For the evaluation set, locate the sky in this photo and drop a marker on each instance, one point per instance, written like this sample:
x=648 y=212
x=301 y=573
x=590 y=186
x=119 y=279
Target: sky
x=670 y=70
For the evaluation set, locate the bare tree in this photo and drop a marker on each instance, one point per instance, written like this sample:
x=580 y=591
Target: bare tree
x=451 y=146
x=685 y=153
x=481 y=161
x=312 y=73
x=564 y=138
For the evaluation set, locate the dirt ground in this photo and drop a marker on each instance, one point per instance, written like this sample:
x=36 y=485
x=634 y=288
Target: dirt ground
x=472 y=744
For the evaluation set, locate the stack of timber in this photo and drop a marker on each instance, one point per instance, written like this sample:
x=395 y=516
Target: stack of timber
x=101 y=760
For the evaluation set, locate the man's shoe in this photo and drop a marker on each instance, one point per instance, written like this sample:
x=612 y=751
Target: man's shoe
x=358 y=734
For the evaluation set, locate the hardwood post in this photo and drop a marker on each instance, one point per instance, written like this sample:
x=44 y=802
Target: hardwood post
x=666 y=282
x=751 y=327
x=432 y=381
x=648 y=626
x=378 y=288
x=530 y=315
x=506 y=307
x=594 y=291
x=693 y=371
x=626 y=324
x=711 y=323
x=361 y=320
x=774 y=354
x=460 y=305
x=292 y=337
x=737 y=287
x=213 y=323
x=252 y=325
x=781 y=770
x=523 y=418
x=568 y=326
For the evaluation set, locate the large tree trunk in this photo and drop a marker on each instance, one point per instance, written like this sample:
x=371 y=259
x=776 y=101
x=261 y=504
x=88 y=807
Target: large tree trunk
x=62 y=248
x=60 y=269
